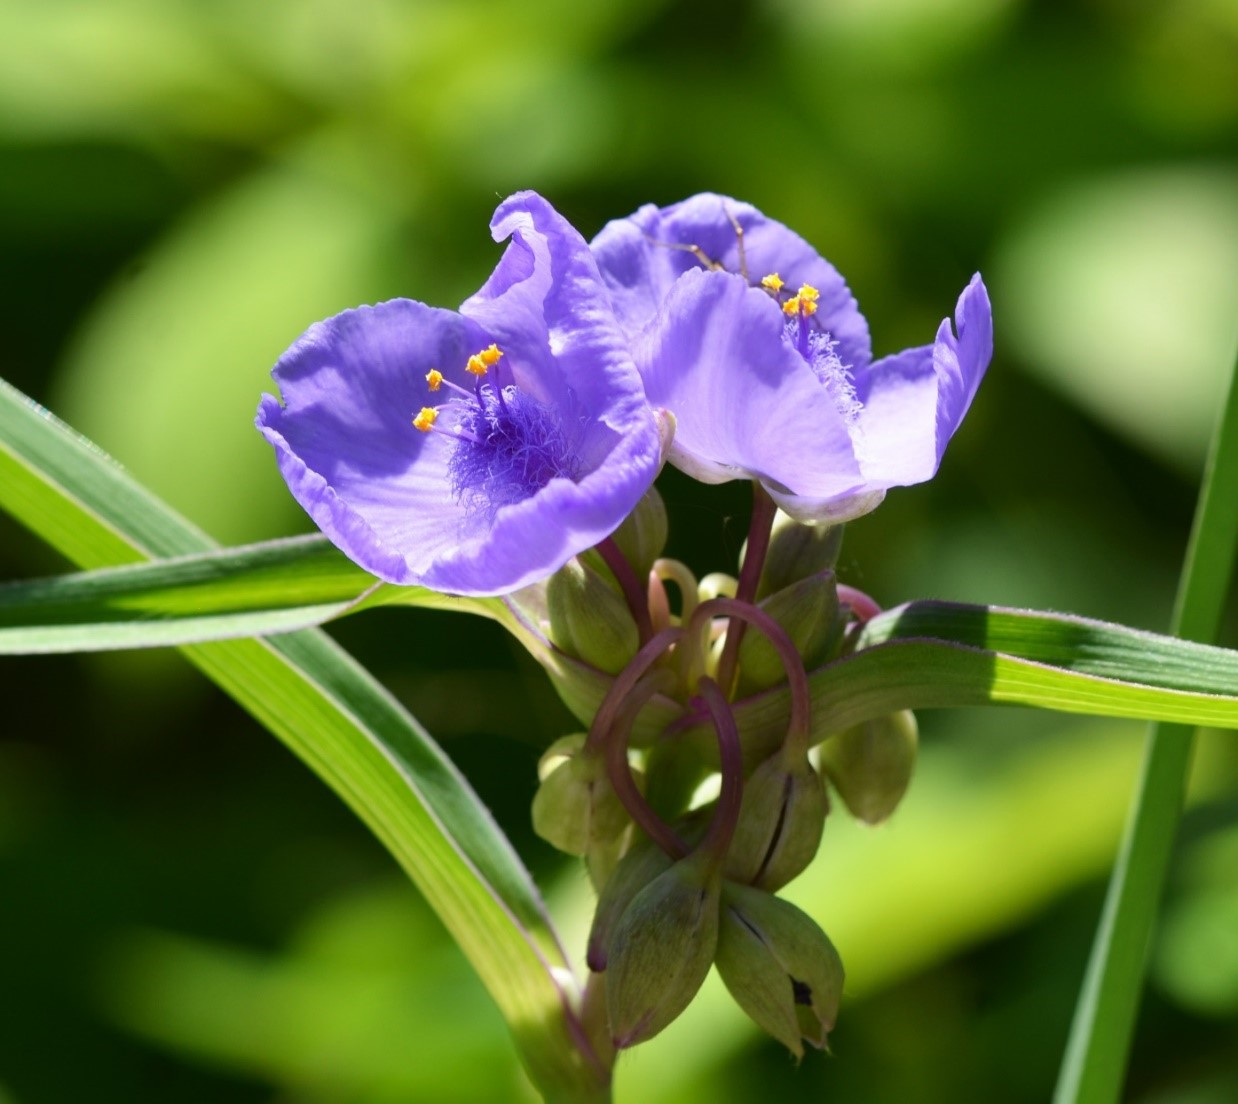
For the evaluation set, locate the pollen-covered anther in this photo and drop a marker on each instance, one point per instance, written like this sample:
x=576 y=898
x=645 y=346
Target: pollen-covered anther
x=425 y=419
x=803 y=303
x=476 y=366
x=773 y=282
x=434 y=378
x=491 y=356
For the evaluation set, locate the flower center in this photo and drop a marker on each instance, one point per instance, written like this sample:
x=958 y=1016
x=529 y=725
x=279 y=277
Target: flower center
x=815 y=345
x=508 y=445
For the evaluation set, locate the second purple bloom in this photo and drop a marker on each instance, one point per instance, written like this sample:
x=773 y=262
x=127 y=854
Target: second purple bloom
x=757 y=347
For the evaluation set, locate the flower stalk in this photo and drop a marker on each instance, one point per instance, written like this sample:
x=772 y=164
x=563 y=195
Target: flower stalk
x=763 y=511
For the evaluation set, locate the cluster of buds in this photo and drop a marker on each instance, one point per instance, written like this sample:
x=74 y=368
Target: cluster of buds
x=683 y=885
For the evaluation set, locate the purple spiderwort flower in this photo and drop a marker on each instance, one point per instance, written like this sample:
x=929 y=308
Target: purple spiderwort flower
x=471 y=451
x=757 y=347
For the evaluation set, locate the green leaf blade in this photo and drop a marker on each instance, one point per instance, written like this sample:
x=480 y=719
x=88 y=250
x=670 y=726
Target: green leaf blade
x=272 y=587
x=1094 y=1065
x=342 y=724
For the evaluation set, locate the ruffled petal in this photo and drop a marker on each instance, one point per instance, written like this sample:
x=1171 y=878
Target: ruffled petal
x=898 y=420
x=960 y=363
x=547 y=299
x=401 y=502
x=641 y=257
x=344 y=437
x=915 y=400
x=746 y=403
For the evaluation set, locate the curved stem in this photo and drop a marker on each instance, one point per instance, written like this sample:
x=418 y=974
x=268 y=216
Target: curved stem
x=722 y=828
x=763 y=511
x=633 y=592
x=620 y=773
x=659 y=604
x=797 y=678
x=624 y=682
x=864 y=608
x=681 y=575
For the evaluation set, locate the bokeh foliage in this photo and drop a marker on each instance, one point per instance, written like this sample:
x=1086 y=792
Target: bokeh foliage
x=185 y=185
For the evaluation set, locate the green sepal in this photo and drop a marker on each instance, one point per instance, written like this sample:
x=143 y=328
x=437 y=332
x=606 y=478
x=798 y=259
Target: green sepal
x=797 y=551
x=642 y=536
x=780 y=967
x=807 y=611
x=780 y=821
x=871 y=764
x=576 y=808
x=589 y=618
x=661 y=949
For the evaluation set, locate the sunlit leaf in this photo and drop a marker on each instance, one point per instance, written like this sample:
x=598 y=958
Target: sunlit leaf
x=340 y=721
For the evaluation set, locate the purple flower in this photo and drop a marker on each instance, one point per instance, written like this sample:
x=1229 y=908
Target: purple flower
x=758 y=348
x=472 y=452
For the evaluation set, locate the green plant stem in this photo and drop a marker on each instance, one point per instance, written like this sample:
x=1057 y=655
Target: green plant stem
x=1094 y=1065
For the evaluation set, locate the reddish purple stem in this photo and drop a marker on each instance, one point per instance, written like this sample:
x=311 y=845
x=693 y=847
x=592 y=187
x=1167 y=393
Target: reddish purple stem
x=730 y=755
x=763 y=511
x=792 y=662
x=864 y=608
x=634 y=592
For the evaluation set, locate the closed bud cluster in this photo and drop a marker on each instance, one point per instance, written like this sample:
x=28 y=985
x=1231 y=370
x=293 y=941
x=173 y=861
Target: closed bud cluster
x=643 y=862
x=576 y=809
x=642 y=536
x=779 y=966
x=796 y=551
x=589 y=618
x=661 y=949
x=780 y=821
x=807 y=611
x=870 y=765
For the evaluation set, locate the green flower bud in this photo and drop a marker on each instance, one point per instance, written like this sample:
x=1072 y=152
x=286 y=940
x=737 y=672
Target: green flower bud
x=576 y=809
x=780 y=821
x=640 y=866
x=589 y=618
x=797 y=551
x=642 y=536
x=808 y=612
x=662 y=949
x=779 y=966
x=870 y=765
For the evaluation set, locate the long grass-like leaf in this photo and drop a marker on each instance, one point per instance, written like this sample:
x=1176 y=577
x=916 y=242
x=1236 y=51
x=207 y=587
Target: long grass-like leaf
x=333 y=715
x=1094 y=1066
x=256 y=590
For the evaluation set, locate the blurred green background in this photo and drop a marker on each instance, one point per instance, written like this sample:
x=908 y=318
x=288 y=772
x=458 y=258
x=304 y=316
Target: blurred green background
x=187 y=915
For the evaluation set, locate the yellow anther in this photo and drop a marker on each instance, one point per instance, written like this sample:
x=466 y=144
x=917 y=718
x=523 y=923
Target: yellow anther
x=426 y=419
x=803 y=302
x=434 y=378
x=773 y=281
x=491 y=356
x=476 y=365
